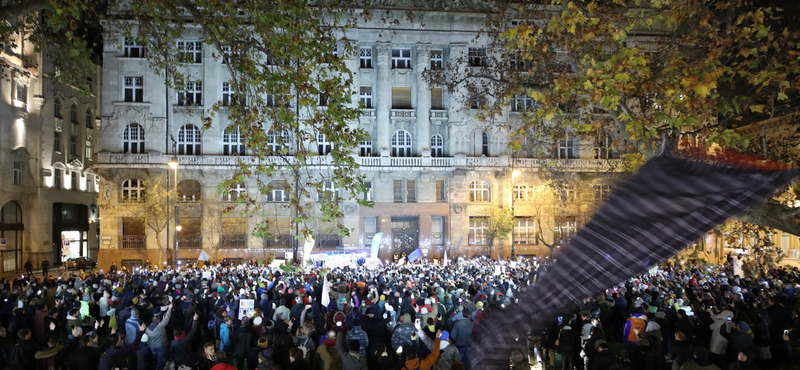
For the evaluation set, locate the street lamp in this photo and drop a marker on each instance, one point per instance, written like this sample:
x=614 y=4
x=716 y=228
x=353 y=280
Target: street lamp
x=514 y=174
x=173 y=164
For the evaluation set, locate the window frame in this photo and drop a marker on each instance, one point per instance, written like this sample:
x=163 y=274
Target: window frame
x=477 y=56
x=527 y=233
x=58 y=178
x=480 y=194
x=184 y=144
x=402 y=147
x=522 y=103
x=437 y=59
x=194 y=52
x=566 y=147
x=478 y=228
x=128 y=142
x=132 y=187
x=134 y=85
x=57 y=141
x=17 y=173
x=232 y=142
x=401 y=61
x=365 y=96
x=88 y=149
x=274 y=139
x=129 y=45
x=437 y=146
x=365 y=57
x=234 y=193
x=365 y=147
x=191 y=95
x=73 y=113
x=324 y=147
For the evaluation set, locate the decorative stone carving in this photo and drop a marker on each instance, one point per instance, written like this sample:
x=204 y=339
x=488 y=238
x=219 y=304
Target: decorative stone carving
x=111 y=42
x=423 y=53
x=106 y=189
x=22 y=78
x=383 y=51
x=130 y=114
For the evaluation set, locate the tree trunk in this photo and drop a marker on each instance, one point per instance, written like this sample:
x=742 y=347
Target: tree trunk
x=774 y=215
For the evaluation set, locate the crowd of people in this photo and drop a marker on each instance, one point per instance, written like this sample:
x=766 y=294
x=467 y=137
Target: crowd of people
x=422 y=315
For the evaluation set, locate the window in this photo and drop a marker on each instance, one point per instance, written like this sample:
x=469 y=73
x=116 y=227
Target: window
x=329 y=191
x=189 y=139
x=477 y=57
x=365 y=96
x=604 y=148
x=132 y=49
x=58 y=178
x=477 y=101
x=405 y=191
x=235 y=193
x=365 y=57
x=192 y=94
x=518 y=63
x=21 y=92
x=567 y=193
x=566 y=148
x=89 y=119
x=437 y=230
x=437 y=102
x=565 y=230
x=525 y=231
x=17 y=173
x=229 y=96
x=73 y=114
x=73 y=145
x=133 y=139
x=370 y=229
x=401 y=58
x=75 y=178
x=524 y=193
x=192 y=51
x=323 y=145
x=232 y=142
x=277 y=141
x=437 y=60
x=441 y=191
x=90 y=183
x=479 y=191
x=134 y=89
x=278 y=192
x=485 y=144
x=365 y=148
x=322 y=100
x=401 y=144
x=88 y=150
x=521 y=103
x=57 y=107
x=602 y=192
x=57 y=142
x=368 y=191
x=132 y=190
x=401 y=98
x=226 y=52
x=437 y=146
x=478 y=228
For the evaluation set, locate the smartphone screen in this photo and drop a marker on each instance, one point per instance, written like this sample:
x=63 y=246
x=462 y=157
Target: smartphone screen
x=338 y=323
x=729 y=318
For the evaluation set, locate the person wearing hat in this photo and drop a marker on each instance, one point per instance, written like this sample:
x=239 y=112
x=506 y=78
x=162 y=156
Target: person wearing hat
x=739 y=339
x=700 y=361
x=326 y=354
x=265 y=361
x=448 y=353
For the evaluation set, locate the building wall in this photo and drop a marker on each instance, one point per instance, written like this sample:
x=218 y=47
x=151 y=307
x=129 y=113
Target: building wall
x=29 y=127
x=462 y=163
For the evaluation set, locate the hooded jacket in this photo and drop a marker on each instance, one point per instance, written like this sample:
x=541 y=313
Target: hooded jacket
x=350 y=360
x=462 y=332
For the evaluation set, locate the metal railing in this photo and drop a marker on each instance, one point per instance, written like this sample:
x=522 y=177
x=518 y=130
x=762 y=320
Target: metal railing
x=190 y=241
x=133 y=242
x=477 y=239
x=236 y=241
x=328 y=241
x=278 y=241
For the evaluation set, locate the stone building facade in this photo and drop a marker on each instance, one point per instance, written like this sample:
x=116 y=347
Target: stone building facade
x=434 y=168
x=48 y=190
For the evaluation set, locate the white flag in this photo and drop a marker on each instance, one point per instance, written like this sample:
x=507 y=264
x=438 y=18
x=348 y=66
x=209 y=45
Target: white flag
x=203 y=256
x=326 y=289
x=444 y=263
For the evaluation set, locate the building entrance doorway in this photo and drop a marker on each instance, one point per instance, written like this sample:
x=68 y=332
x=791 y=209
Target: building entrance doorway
x=405 y=234
x=11 y=229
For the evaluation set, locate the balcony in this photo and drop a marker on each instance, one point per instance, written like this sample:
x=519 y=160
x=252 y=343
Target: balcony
x=133 y=242
x=278 y=241
x=190 y=242
x=401 y=115
x=235 y=241
x=477 y=239
x=438 y=117
x=117 y=160
x=328 y=241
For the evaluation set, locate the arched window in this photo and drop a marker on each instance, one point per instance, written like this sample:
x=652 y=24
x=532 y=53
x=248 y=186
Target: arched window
x=323 y=145
x=189 y=139
x=277 y=140
x=401 y=144
x=479 y=191
x=133 y=139
x=234 y=193
x=232 y=141
x=189 y=191
x=485 y=144
x=11 y=230
x=132 y=190
x=57 y=107
x=89 y=118
x=437 y=146
x=365 y=148
x=73 y=114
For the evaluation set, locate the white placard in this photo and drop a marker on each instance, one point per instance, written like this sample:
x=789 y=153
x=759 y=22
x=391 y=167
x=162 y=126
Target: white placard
x=246 y=307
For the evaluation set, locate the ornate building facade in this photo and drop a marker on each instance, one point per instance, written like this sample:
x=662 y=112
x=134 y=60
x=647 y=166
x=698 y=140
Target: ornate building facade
x=434 y=169
x=48 y=191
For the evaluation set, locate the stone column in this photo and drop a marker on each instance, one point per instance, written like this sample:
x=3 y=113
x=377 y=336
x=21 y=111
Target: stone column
x=456 y=100
x=383 y=97
x=423 y=100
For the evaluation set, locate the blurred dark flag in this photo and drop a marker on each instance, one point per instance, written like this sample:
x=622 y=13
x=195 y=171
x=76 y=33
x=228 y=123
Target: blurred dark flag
x=673 y=200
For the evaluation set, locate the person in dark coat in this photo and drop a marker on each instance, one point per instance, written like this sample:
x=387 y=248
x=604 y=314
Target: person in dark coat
x=119 y=352
x=29 y=267
x=682 y=351
x=22 y=353
x=45 y=266
x=568 y=346
x=684 y=325
x=144 y=356
x=245 y=341
x=605 y=358
x=738 y=339
x=86 y=357
x=182 y=345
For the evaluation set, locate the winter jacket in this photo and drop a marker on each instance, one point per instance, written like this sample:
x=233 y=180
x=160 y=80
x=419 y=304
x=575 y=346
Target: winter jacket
x=361 y=336
x=22 y=353
x=447 y=356
x=157 y=333
x=131 y=327
x=428 y=362
x=682 y=352
x=350 y=360
x=50 y=358
x=326 y=355
x=633 y=323
x=144 y=357
x=402 y=335
x=246 y=338
x=461 y=335
x=179 y=349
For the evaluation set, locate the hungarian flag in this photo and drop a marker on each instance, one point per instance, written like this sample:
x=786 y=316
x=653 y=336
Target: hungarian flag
x=673 y=200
